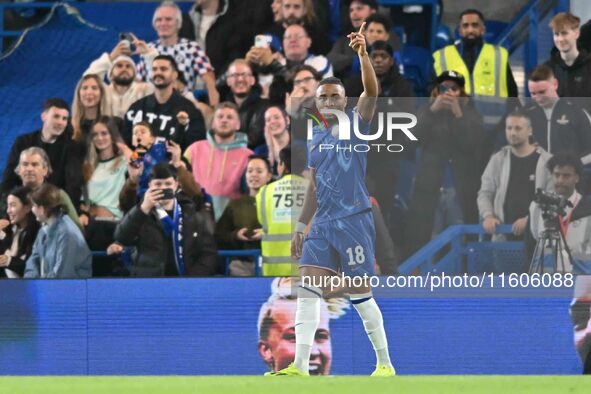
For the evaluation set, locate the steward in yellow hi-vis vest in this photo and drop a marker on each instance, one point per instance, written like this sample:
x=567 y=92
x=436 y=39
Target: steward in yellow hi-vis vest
x=278 y=207
x=484 y=66
x=489 y=77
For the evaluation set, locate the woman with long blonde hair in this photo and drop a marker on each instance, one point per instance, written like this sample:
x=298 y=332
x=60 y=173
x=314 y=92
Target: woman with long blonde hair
x=277 y=134
x=89 y=104
x=105 y=167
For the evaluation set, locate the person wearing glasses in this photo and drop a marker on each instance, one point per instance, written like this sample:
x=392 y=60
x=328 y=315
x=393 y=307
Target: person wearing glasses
x=451 y=134
x=245 y=92
x=296 y=51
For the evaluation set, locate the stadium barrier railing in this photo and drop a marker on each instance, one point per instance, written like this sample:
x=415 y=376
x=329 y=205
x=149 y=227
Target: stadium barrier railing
x=254 y=254
x=464 y=249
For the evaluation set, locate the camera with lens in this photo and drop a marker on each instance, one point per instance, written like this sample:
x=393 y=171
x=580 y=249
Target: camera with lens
x=552 y=205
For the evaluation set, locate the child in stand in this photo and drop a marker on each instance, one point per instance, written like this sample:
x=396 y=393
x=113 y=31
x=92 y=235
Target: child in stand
x=149 y=151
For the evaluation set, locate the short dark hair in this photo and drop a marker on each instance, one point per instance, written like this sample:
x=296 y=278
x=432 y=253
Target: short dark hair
x=331 y=81
x=518 y=113
x=562 y=159
x=285 y=157
x=380 y=45
x=263 y=158
x=23 y=193
x=55 y=102
x=170 y=59
x=473 y=11
x=147 y=125
x=305 y=67
x=542 y=72
x=163 y=171
x=379 y=18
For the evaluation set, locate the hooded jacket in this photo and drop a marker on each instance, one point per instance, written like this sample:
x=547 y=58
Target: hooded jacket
x=219 y=167
x=120 y=103
x=573 y=80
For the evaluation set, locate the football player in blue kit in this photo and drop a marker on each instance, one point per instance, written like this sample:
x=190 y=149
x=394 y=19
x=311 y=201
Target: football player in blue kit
x=341 y=237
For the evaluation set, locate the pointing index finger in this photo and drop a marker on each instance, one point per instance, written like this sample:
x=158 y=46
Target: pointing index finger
x=362 y=28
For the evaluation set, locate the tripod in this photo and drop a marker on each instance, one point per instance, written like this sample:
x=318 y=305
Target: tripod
x=551 y=240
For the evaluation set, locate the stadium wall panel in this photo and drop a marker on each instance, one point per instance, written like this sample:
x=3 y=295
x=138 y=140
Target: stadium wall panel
x=209 y=326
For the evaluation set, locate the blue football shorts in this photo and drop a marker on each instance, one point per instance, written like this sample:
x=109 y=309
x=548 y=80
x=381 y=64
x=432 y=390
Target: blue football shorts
x=345 y=245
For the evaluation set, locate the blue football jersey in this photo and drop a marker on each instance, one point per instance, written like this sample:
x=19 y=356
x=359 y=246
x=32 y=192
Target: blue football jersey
x=340 y=172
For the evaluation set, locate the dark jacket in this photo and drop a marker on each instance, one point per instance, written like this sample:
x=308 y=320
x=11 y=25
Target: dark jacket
x=391 y=85
x=320 y=42
x=342 y=55
x=573 y=81
x=65 y=156
x=584 y=41
x=154 y=248
x=252 y=117
x=445 y=140
x=239 y=213
x=163 y=119
x=569 y=128
x=228 y=38
x=25 y=245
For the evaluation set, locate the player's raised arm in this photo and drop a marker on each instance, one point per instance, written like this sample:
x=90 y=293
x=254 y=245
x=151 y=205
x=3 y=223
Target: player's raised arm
x=367 y=101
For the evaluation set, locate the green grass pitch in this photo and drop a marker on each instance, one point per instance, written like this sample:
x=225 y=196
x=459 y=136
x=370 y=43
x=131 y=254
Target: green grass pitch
x=324 y=385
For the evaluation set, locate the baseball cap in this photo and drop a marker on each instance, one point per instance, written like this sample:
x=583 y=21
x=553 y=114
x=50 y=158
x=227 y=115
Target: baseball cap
x=451 y=75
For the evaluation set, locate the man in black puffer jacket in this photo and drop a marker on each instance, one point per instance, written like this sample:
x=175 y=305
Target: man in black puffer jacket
x=171 y=237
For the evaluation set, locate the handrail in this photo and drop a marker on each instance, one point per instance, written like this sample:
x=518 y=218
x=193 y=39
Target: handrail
x=227 y=254
x=16 y=33
x=422 y=258
x=254 y=253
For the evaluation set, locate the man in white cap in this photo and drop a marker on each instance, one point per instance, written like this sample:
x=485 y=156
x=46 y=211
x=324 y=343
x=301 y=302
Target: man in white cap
x=123 y=89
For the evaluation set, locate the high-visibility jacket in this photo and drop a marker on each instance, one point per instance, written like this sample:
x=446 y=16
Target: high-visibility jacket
x=279 y=205
x=489 y=77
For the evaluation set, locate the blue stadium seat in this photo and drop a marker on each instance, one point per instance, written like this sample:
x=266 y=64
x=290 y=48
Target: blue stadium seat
x=417 y=67
x=442 y=37
x=493 y=29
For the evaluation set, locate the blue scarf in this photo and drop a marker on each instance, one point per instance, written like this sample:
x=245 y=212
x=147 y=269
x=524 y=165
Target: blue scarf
x=173 y=227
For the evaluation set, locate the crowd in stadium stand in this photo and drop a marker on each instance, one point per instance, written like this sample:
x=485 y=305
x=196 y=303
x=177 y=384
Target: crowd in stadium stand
x=161 y=163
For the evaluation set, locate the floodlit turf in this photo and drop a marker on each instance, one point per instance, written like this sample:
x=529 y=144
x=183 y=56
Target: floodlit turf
x=324 y=385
